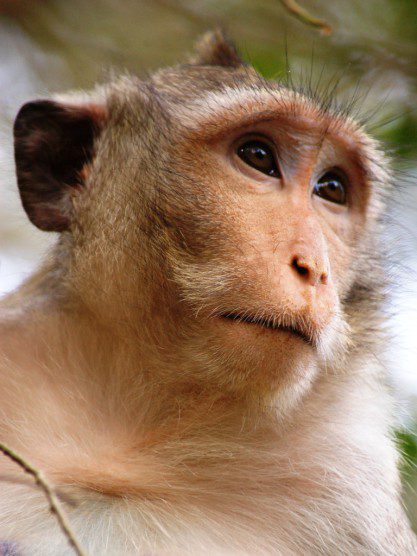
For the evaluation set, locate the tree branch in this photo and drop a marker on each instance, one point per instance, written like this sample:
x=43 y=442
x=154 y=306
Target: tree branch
x=55 y=506
x=304 y=16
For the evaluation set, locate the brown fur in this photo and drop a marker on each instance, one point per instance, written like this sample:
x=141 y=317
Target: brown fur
x=165 y=428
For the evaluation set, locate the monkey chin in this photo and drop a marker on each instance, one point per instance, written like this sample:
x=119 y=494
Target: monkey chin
x=266 y=359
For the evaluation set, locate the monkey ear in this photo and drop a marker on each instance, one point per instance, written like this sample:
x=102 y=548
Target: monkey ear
x=53 y=143
x=215 y=49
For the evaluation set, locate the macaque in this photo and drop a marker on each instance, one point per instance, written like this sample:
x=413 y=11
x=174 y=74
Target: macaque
x=196 y=365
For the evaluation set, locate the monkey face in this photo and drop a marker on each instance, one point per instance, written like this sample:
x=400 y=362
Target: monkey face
x=280 y=196
x=218 y=215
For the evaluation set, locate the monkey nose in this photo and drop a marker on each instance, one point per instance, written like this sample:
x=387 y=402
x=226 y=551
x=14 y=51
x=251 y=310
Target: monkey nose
x=310 y=271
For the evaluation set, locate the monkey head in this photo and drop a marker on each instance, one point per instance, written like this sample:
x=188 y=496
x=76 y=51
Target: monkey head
x=211 y=216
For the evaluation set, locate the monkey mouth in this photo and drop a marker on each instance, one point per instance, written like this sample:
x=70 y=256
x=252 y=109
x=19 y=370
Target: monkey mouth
x=297 y=330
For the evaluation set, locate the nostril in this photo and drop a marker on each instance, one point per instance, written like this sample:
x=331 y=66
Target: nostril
x=308 y=270
x=299 y=267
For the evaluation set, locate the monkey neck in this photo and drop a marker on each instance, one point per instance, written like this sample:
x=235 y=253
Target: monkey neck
x=99 y=414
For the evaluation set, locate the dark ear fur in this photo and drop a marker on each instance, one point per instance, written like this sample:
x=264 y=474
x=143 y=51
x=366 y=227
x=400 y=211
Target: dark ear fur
x=215 y=49
x=53 y=142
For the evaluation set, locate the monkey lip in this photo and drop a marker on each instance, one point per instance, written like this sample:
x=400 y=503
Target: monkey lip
x=270 y=323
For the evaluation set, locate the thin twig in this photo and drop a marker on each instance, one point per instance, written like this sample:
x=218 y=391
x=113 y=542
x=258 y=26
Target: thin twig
x=55 y=506
x=304 y=16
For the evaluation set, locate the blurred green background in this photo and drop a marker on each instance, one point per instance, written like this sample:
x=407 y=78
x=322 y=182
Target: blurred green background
x=51 y=45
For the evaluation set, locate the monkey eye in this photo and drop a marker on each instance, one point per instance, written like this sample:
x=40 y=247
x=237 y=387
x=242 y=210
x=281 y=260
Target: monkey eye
x=260 y=156
x=331 y=186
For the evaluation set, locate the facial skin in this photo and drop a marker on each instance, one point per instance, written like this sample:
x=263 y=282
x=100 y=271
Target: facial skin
x=269 y=248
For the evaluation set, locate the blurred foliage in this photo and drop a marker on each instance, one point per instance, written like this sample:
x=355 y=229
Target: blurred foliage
x=407 y=445
x=374 y=42
x=401 y=135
